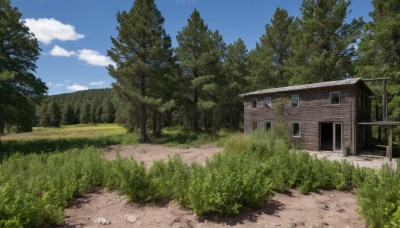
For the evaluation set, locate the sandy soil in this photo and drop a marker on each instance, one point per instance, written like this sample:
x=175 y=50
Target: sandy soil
x=151 y=152
x=323 y=209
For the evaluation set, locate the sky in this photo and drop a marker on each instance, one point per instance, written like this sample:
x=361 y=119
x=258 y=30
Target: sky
x=74 y=35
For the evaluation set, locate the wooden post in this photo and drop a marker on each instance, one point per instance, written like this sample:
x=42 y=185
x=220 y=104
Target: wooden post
x=390 y=143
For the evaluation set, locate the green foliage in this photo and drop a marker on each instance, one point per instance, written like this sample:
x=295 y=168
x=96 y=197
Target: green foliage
x=268 y=59
x=323 y=43
x=143 y=56
x=235 y=68
x=130 y=177
x=186 y=138
x=19 y=88
x=379 y=51
x=379 y=197
x=200 y=52
x=227 y=183
x=34 y=189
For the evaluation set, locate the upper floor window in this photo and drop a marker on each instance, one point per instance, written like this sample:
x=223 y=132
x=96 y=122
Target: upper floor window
x=254 y=103
x=335 y=98
x=267 y=102
x=295 y=101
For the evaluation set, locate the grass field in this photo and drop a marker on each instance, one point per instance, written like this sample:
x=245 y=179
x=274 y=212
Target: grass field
x=48 y=140
x=69 y=131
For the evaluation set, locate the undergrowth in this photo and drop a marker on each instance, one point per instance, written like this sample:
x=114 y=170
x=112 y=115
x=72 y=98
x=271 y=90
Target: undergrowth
x=35 y=188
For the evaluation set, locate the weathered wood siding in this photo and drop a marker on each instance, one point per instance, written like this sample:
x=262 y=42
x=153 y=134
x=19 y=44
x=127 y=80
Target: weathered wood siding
x=314 y=108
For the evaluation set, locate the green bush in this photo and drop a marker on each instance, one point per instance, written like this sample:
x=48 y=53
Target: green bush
x=35 y=188
x=379 y=198
x=226 y=183
x=130 y=177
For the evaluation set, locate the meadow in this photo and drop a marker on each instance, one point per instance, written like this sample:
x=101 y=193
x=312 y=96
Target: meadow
x=49 y=140
x=34 y=188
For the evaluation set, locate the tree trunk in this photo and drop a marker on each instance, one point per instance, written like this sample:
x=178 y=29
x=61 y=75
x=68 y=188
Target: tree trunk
x=143 y=115
x=156 y=123
x=196 y=111
x=2 y=126
x=159 y=124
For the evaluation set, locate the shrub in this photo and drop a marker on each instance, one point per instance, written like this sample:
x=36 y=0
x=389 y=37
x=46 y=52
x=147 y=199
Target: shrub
x=35 y=188
x=130 y=177
x=379 y=198
x=226 y=183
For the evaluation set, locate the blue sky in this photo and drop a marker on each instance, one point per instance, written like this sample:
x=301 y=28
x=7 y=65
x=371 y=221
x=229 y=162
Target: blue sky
x=74 y=35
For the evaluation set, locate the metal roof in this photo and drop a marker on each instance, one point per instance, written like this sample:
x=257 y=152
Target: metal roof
x=345 y=82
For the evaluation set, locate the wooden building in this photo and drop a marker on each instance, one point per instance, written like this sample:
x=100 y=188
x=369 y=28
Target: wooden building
x=322 y=116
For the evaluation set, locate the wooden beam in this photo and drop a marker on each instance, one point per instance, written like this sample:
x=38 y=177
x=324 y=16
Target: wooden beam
x=374 y=79
x=390 y=144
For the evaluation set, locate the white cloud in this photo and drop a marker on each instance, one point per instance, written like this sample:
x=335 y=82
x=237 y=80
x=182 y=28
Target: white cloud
x=48 y=29
x=61 y=52
x=76 y=87
x=93 y=57
x=99 y=83
x=55 y=84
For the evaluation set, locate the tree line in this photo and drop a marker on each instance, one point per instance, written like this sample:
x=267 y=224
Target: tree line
x=81 y=107
x=197 y=84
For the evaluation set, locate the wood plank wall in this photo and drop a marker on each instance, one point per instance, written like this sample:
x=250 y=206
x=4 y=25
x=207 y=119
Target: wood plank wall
x=314 y=108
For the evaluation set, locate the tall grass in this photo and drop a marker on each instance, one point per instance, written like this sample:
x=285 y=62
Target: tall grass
x=34 y=188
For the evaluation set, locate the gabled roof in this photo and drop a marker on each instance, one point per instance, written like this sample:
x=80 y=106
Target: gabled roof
x=345 y=82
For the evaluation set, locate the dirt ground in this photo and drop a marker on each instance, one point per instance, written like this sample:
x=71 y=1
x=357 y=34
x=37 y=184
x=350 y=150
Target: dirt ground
x=152 y=152
x=322 y=209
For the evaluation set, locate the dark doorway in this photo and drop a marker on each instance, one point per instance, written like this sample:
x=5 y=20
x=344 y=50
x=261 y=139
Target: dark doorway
x=331 y=136
x=326 y=131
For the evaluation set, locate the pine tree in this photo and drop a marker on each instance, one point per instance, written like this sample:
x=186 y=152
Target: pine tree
x=141 y=50
x=68 y=116
x=54 y=114
x=44 y=119
x=19 y=51
x=85 y=116
x=268 y=59
x=99 y=112
x=236 y=68
x=200 y=54
x=379 y=50
x=322 y=47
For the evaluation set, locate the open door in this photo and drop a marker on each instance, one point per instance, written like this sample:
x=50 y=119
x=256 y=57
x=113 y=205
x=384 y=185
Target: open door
x=331 y=136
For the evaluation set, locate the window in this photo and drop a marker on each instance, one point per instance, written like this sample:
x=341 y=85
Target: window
x=267 y=102
x=296 y=129
x=254 y=126
x=335 y=98
x=254 y=103
x=268 y=126
x=295 y=101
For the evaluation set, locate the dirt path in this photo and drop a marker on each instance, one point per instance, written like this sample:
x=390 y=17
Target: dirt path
x=152 y=152
x=323 y=209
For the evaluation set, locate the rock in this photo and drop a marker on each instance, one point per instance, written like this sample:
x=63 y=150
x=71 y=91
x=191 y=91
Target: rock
x=130 y=218
x=102 y=221
x=325 y=207
x=338 y=208
x=297 y=224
